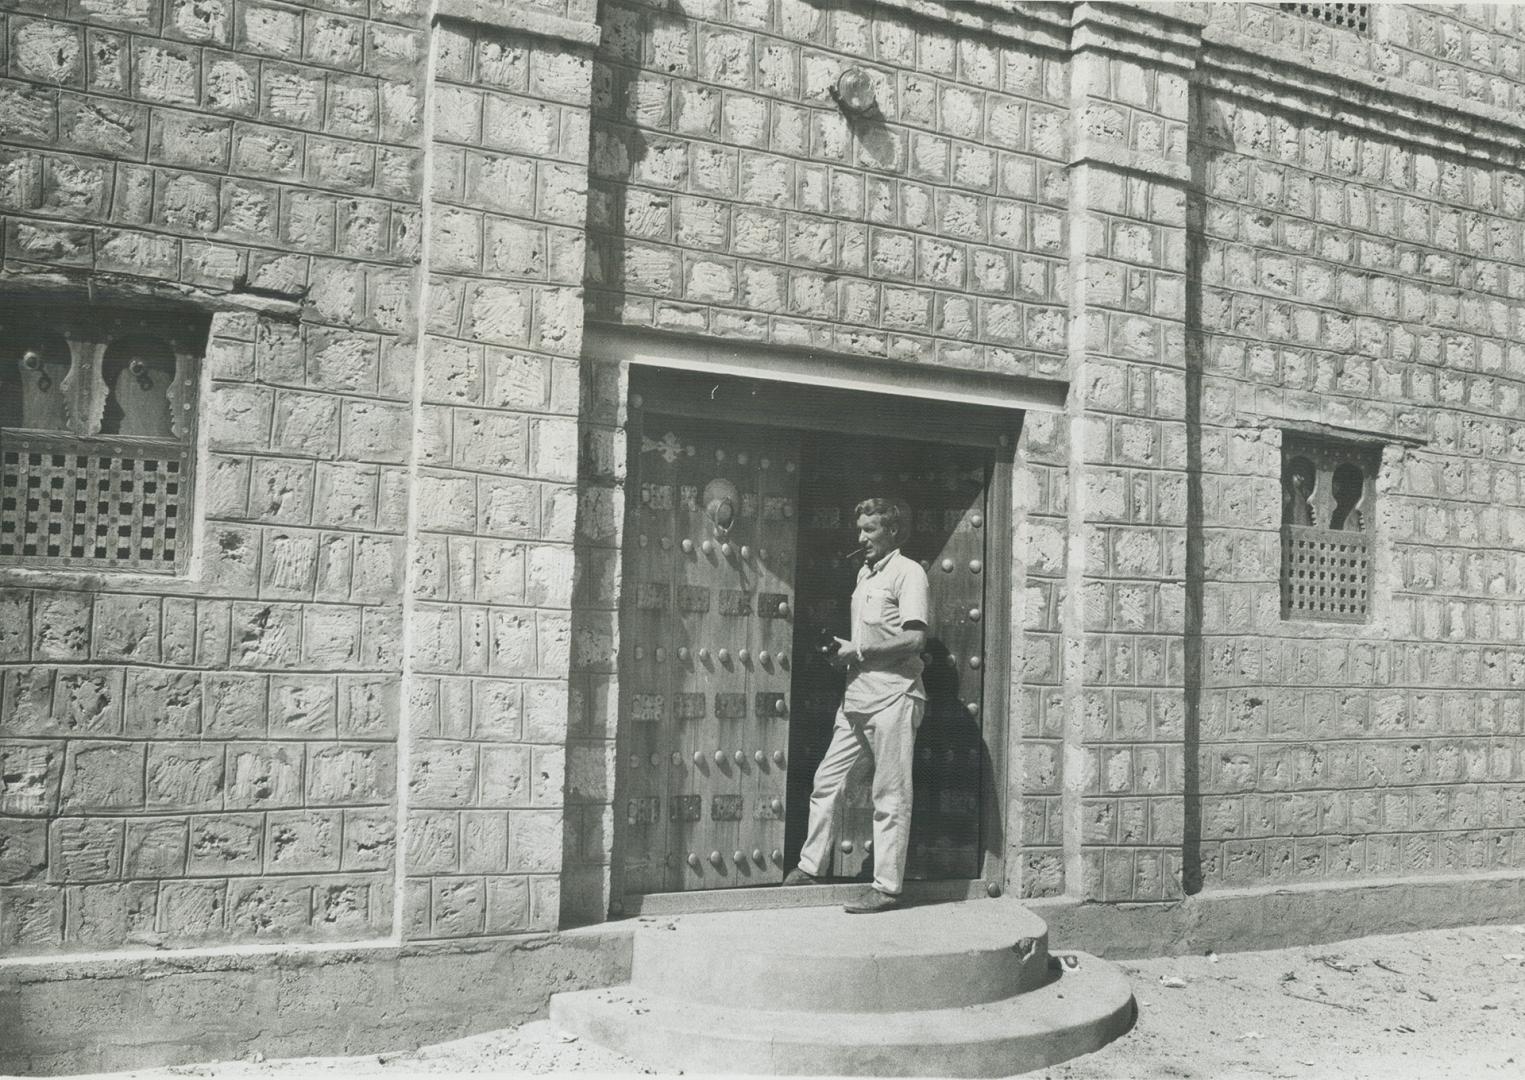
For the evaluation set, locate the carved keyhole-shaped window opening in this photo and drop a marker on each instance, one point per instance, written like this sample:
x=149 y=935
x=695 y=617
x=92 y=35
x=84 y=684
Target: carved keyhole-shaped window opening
x=1297 y=492
x=97 y=434
x=1349 y=491
x=1327 y=493
x=141 y=388
x=34 y=380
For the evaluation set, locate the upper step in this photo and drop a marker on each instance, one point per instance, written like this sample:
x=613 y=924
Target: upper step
x=942 y=956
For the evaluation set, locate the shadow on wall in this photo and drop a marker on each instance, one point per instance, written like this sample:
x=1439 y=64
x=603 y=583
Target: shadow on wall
x=589 y=785
x=617 y=148
x=1196 y=244
x=953 y=764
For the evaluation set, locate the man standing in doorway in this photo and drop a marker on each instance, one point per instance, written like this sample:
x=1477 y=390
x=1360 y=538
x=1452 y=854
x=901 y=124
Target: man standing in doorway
x=881 y=708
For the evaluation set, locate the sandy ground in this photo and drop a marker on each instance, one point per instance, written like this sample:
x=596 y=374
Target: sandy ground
x=1426 y=1006
x=1438 y=1004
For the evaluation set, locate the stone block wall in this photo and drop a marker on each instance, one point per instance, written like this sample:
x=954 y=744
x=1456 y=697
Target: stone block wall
x=212 y=759
x=386 y=213
x=1367 y=275
x=1473 y=52
x=731 y=196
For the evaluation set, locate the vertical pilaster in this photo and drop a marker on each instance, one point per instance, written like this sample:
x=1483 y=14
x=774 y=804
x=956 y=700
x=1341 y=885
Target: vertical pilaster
x=495 y=480
x=1036 y=736
x=1124 y=606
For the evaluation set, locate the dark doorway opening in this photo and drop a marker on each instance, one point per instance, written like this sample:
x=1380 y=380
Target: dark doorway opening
x=947 y=489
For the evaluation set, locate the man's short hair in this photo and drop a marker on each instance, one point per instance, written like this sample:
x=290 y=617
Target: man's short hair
x=894 y=514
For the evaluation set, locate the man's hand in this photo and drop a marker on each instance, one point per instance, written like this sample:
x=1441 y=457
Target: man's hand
x=844 y=655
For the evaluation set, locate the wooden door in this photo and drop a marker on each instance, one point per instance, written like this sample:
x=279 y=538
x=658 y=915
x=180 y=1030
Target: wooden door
x=946 y=487
x=707 y=635
x=952 y=767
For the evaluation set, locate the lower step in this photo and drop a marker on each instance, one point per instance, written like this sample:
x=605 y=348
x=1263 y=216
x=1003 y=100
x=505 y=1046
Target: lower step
x=1084 y=1007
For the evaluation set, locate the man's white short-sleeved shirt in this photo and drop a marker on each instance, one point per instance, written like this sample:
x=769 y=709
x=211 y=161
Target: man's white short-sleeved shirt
x=888 y=595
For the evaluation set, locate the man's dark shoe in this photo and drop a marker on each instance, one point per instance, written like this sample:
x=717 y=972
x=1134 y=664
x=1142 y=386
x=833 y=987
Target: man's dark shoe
x=800 y=877
x=873 y=903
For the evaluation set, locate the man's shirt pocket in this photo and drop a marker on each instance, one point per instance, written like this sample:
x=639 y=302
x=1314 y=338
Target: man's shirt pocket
x=881 y=608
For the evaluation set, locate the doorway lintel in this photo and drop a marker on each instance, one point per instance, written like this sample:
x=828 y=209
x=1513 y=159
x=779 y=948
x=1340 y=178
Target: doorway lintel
x=824 y=370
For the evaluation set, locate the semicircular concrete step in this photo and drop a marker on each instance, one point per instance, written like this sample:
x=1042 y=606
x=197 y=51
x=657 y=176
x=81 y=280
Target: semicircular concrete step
x=1088 y=1005
x=822 y=958
x=959 y=989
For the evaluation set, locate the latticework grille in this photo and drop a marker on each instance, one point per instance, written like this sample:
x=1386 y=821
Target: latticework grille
x=1325 y=574
x=1346 y=16
x=93 y=502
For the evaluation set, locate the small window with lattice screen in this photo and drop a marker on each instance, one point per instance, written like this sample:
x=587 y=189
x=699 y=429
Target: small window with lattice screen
x=1327 y=494
x=1355 y=17
x=97 y=435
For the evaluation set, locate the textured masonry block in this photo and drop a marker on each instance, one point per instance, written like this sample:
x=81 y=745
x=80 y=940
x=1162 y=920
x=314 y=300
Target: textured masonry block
x=184 y=776
x=192 y=910
x=103 y=776
x=110 y=914
x=226 y=844
x=506 y=778
x=443 y=774
x=303 y=841
x=235 y=704
x=263 y=775
x=84 y=849
x=31 y=917
x=276 y=908
x=350 y=774
x=23 y=850
x=155 y=848
x=369 y=840
x=433 y=841
x=535 y=841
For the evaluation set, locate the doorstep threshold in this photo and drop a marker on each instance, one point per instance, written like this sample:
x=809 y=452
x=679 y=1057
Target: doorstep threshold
x=763 y=897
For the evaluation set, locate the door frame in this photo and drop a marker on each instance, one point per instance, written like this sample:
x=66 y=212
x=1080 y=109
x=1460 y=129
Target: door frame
x=770 y=402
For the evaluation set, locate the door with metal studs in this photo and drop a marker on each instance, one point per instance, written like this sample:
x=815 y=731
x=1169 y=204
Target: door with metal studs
x=707 y=636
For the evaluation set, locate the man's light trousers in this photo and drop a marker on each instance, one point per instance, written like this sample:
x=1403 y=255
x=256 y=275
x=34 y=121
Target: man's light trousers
x=889 y=737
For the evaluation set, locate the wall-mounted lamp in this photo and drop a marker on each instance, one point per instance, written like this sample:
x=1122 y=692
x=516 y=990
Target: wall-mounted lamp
x=854 y=92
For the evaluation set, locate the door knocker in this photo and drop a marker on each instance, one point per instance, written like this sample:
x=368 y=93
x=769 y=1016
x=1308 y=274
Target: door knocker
x=720 y=500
